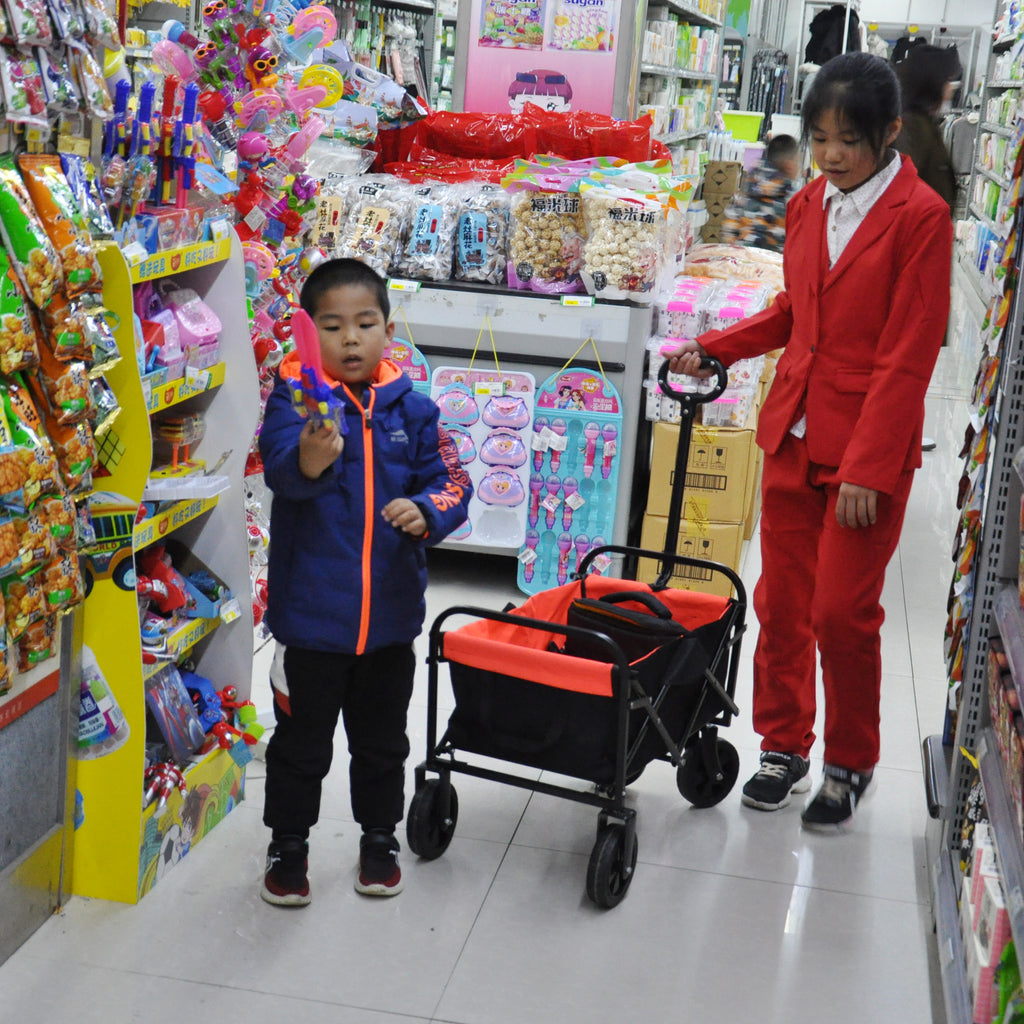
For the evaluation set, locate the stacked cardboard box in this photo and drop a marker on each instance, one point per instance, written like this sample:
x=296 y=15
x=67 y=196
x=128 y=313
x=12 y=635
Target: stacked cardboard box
x=721 y=182
x=721 y=502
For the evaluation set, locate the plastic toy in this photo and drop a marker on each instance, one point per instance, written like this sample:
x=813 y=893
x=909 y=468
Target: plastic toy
x=159 y=581
x=205 y=698
x=161 y=780
x=609 y=433
x=311 y=396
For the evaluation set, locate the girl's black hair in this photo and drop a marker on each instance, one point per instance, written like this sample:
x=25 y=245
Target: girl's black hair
x=863 y=91
x=924 y=76
x=343 y=273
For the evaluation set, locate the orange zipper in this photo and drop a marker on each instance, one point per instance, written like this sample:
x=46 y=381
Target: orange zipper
x=368 y=517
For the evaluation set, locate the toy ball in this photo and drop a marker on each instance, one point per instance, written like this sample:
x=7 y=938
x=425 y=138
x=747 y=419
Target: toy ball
x=304 y=187
x=310 y=259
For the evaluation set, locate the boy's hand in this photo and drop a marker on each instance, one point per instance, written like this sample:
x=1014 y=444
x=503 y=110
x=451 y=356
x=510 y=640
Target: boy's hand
x=405 y=515
x=856 y=506
x=686 y=359
x=318 y=448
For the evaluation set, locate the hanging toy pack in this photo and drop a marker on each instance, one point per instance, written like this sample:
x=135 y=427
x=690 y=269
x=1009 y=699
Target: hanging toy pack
x=573 y=479
x=408 y=358
x=488 y=414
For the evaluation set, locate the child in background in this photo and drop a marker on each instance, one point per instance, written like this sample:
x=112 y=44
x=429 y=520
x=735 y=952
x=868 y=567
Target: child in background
x=862 y=317
x=350 y=520
x=757 y=215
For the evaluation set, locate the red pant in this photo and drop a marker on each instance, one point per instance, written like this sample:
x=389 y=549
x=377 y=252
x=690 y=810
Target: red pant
x=820 y=587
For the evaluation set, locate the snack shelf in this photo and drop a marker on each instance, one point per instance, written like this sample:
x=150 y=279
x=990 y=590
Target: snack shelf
x=179 y=641
x=174 y=261
x=164 y=523
x=692 y=14
x=1006 y=833
x=670 y=72
x=671 y=138
x=950 y=943
x=164 y=396
x=1001 y=230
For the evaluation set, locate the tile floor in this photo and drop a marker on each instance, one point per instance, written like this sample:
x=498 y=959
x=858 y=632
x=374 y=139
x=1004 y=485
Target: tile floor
x=734 y=915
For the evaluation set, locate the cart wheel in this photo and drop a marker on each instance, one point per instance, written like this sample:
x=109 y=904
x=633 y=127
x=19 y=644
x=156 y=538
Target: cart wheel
x=427 y=834
x=608 y=877
x=695 y=781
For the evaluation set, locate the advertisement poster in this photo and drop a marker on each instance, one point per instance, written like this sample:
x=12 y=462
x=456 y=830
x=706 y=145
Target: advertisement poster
x=558 y=54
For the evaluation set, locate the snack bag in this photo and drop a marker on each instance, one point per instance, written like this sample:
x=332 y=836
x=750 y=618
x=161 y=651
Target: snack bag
x=426 y=250
x=39 y=643
x=64 y=224
x=81 y=176
x=100 y=336
x=101 y=23
x=58 y=513
x=32 y=254
x=625 y=239
x=24 y=603
x=66 y=386
x=59 y=89
x=22 y=84
x=65 y=334
x=545 y=248
x=19 y=349
x=105 y=403
x=375 y=225
x=62 y=582
x=91 y=84
x=28 y=23
x=75 y=448
x=35 y=542
x=482 y=234
x=28 y=466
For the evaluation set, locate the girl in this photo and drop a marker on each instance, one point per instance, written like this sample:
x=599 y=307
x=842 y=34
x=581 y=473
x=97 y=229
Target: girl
x=861 y=320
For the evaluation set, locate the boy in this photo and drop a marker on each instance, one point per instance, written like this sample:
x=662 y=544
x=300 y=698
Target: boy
x=757 y=216
x=350 y=519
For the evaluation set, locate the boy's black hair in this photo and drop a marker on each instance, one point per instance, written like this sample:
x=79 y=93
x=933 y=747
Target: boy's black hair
x=341 y=273
x=781 y=147
x=924 y=76
x=863 y=91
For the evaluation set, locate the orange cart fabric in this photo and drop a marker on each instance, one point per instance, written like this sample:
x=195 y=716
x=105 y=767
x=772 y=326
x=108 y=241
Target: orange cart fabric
x=521 y=651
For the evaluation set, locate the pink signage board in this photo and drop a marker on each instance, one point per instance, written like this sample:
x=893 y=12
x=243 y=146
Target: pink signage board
x=558 y=54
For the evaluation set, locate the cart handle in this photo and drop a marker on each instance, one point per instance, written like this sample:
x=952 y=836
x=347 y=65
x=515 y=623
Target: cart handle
x=689 y=399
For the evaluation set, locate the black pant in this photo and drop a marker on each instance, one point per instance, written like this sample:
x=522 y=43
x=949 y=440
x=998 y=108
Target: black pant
x=372 y=692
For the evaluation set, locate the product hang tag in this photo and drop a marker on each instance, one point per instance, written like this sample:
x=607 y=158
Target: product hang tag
x=230 y=610
x=196 y=380
x=559 y=442
x=539 y=441
x=528 y=556
x=575 y=501
x=492 y=388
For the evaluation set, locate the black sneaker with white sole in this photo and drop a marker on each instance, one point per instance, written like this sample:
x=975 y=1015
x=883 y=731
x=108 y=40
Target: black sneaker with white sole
x=835 y=803
x=285 y=883
x=779 y=776
x=379 y=873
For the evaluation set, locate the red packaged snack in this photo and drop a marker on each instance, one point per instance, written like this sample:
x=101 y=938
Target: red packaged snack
x=24 y=603
x=58 y=513
x=39 y=643
x=19 y=348
x=473 y=135
x=62 y=582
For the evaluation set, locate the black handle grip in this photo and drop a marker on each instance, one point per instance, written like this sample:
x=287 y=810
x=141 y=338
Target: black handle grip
x=648 y=600
x=695 y=397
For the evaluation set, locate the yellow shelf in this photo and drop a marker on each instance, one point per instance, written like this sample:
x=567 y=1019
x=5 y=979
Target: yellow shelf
x=180 y=640
x=163 y=524
x=163 y=396
x=174 y=261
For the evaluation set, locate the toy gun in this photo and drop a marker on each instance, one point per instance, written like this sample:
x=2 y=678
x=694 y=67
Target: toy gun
x=310 y=394
x=184 y=145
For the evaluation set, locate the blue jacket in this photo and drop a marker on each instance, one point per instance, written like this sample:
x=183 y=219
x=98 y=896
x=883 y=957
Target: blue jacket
x=340 y=578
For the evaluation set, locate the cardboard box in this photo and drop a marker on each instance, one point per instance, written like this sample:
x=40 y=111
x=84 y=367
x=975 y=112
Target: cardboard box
x=716 y=542
x=991 y=921
x=719 y=474
x=722 y=177
x=716 y=207
x=754 y=511
x=711 y=232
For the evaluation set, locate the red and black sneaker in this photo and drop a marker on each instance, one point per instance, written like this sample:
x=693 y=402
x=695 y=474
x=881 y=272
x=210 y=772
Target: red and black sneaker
x=379 y=873
x=285 y=883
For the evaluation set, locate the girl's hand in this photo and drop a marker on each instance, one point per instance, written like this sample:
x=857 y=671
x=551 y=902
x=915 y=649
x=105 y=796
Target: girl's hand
x=686 y=359
x=405 y=515
x=856 y=506
x=318 y=448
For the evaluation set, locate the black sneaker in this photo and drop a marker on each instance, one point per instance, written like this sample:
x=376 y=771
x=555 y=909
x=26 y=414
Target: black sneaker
x=779 y=776
x=285 y=883
x=379 y=873
x=833 y=806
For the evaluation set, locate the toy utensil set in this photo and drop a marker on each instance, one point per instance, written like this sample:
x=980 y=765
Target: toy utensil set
x=574 y=470
x=488 y=414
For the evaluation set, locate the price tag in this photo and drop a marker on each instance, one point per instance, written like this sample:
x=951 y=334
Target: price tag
x=551 y=502
x=489 y=388
x=147 y=391
x=135 y=253
x=230 y=610
x=255 y=218
x=583 y=301
x=601 y=563
x=197 y=380
x=556 y=440
x=576 y=501
x=528 y=556
x=398 y=285
x=539 y=443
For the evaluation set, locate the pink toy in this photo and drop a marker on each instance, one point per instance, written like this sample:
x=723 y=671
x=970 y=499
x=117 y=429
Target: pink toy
x=503 y=448
x=463 y=444
x=591 y=432
x=569 y=487
x=564 y=547
x=557 y=427
x=458 y=405
x=500 y=486
x=582 y=545
x=553 y=485
x=532 y=540
x=506 y=411
x=536 y=486
x=538 y=456
x=609 y=433
x=310 y=395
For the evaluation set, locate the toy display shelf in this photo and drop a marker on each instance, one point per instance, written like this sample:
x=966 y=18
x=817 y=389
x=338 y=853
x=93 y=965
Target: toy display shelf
x=179 y=642
x=113 y=851
x=671 y=72
x=174 y=392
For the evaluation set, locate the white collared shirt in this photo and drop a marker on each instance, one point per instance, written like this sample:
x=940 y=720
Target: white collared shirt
x=846 y=213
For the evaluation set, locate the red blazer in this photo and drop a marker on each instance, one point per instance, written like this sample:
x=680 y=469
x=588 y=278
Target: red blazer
x=860 y=339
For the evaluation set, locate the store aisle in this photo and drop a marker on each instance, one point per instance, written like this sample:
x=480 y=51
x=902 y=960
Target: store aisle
x=734 y=915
